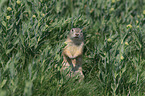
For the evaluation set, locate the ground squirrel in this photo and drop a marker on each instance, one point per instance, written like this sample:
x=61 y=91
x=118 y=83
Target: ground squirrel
x=72 y=53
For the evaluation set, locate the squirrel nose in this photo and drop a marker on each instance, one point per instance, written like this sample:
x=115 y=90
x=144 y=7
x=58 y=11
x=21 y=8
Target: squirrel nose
x=77 y=34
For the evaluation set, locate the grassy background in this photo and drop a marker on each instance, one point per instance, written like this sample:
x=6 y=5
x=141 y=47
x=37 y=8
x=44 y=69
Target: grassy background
x=32 y=33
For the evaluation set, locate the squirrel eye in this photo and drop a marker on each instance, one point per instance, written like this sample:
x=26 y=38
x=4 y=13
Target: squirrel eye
x=72 y=30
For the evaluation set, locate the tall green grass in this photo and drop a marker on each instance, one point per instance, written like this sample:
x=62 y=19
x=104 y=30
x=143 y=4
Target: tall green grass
x=32 y=33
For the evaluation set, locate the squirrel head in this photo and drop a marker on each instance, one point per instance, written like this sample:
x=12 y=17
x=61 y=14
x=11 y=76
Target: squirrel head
x=76 y=34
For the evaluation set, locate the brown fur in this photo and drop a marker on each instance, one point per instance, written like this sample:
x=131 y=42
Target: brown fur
x=72 y=53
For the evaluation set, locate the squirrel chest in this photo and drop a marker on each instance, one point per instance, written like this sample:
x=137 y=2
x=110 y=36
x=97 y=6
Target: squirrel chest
x=74 y=48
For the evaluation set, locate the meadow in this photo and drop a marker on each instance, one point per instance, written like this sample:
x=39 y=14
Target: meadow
x=32 y=35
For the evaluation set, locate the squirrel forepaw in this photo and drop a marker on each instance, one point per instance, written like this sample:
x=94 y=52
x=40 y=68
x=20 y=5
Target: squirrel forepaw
x=72 y=57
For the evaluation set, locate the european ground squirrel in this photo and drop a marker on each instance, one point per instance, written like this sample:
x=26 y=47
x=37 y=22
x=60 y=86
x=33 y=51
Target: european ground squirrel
x=72 y=53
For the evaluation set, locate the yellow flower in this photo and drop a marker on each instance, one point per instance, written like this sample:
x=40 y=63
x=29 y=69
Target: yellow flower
x=109 y=40
x=126 y=43
x=138 y=16
x=46 y=26
x=43 y=15
x=144 y=12
x=121 y=41
x=18 y=2
x=137 y=21
x=112 y=9
x=121 y=57
x=9 y=8
x=34 y=16
x=8 y=17
x=104 y=53
x=129 y=26
x=113 y=1
x=65 y=43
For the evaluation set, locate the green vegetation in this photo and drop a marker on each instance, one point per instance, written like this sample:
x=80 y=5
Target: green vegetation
x=32 y=33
